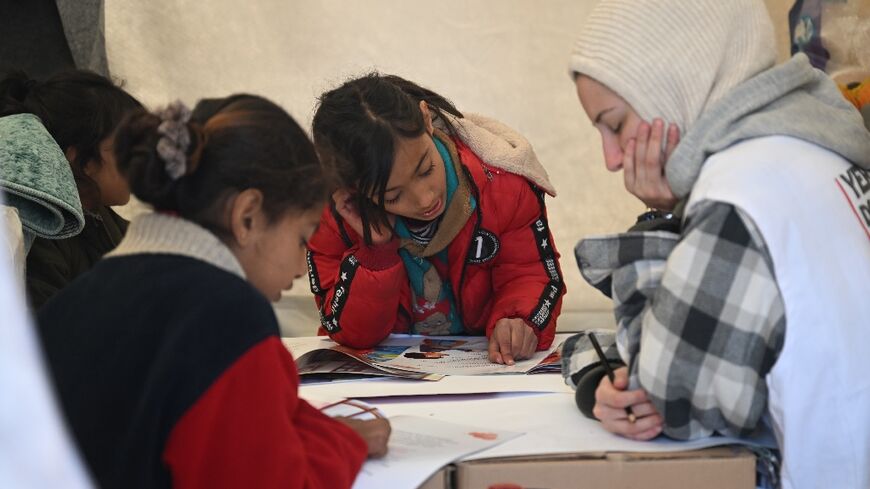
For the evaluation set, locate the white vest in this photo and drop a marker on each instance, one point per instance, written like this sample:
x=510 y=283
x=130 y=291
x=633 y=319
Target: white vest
x=813 y=209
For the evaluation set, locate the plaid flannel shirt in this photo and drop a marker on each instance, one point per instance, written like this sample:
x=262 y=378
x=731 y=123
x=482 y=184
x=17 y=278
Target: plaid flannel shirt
x=700 y=317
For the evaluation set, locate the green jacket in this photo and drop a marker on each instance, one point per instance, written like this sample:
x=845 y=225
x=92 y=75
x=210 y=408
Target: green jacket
x=53 y=264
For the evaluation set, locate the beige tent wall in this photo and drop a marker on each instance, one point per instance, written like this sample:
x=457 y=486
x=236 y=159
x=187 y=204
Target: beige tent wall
x=503 y=58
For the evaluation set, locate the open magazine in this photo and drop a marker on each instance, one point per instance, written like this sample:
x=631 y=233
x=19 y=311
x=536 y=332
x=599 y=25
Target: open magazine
x=414 y=357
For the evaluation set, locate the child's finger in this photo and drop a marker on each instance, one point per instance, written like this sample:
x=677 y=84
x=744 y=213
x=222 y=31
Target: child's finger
x=340 y=196
x=500 y=343
x=520 y=341
x=504 y=345
x=494 y=355
x=531 y=343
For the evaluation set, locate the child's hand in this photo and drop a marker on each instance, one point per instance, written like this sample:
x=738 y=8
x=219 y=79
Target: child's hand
x=511 y=339
x=347 y=209
x=375 y=432
x=611 y=401
x=643 y=165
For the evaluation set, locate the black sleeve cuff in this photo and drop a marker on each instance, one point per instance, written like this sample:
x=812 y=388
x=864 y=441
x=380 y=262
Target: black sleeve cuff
x=586 y=386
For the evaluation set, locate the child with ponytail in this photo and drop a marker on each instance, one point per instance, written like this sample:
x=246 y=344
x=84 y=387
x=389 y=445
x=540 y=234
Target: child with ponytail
x=81 y=111
x=180 y=379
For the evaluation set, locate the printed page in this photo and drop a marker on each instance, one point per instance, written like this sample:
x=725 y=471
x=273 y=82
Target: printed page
x=552 y=363
x=420 y=446
x=455 y=355
x=437 y=355
x=325 y=365
x=319 y=359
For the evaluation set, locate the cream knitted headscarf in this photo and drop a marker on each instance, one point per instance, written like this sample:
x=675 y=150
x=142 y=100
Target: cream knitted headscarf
x=708 y=66
x=674 y=58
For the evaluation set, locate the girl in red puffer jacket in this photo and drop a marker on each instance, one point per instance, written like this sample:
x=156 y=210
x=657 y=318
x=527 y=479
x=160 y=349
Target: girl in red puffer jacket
x=440 y=226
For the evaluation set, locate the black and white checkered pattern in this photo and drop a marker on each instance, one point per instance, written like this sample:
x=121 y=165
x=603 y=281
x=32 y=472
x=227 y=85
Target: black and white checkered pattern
x=700 y=317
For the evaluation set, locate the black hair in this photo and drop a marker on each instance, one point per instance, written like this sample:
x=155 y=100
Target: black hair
x=79 y=108
x=238 y=143
x=355 y=127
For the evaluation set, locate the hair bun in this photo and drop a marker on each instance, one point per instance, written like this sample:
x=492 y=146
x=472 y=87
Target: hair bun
x=14 y=89
x=138 y=160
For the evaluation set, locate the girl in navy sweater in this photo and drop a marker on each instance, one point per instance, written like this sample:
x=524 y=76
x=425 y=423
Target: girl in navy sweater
x=166 y=355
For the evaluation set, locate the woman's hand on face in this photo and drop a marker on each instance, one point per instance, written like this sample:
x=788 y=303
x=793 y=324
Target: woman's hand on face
x=644 y=164
x=512 y=339
x=375 y=432
x=611 y=399
x=346 y=206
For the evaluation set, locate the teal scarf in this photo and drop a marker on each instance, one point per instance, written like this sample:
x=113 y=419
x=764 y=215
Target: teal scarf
x=433 y=303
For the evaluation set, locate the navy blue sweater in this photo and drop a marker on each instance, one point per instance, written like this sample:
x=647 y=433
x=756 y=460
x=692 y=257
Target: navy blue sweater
x=157 y=358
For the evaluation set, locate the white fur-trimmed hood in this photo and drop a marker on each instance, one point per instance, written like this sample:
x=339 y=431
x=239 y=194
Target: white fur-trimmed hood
x=501 y=146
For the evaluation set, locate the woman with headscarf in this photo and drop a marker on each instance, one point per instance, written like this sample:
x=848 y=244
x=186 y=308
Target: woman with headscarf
x=753 y=312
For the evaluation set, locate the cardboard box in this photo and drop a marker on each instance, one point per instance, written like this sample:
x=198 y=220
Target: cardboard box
x=440 y=480
x=712 y=468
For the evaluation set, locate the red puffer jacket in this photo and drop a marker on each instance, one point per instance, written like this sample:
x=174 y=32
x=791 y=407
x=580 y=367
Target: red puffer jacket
x=502 y=263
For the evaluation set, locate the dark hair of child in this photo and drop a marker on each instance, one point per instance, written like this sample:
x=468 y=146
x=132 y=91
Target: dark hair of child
x=355 y=126
x=237 y=143
x=79 y=108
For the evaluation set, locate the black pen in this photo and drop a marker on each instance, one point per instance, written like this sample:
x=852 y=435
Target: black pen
x=631 y=417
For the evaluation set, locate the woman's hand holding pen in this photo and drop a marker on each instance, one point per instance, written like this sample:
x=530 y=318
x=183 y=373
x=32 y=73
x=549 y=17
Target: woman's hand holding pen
x=611 y=399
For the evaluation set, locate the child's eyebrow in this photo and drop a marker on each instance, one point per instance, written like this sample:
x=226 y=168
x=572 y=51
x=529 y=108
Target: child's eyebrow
x=416 y=170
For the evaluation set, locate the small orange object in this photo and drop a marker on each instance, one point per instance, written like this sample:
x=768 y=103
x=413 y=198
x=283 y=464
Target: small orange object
x=858 y=95
x=483 y=435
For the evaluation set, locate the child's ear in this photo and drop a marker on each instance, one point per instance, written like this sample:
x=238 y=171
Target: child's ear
x=246 y=216
x=71 y=153
x=427 y=117
x=90 y=167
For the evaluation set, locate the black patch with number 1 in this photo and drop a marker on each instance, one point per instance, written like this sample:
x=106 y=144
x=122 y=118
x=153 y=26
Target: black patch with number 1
x=483 y=248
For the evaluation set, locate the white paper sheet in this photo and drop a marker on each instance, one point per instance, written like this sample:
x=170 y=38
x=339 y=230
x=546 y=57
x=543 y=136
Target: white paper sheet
x=453 y=384
x=552 y=424
x=419 y=447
